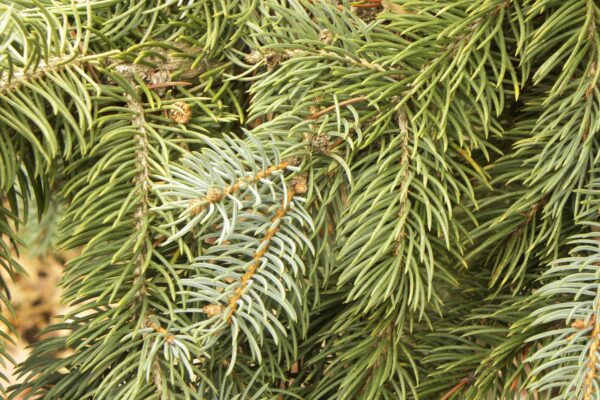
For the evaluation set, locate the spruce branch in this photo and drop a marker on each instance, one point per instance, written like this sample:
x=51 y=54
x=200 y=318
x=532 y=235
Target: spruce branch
x=277 y=55
x=265 y=243
x=406 y=179
x=141 y=254
x=592 y=360
x=141 y=180
x=594 y=347
x=215 y=195
x=321 y=253
x=17 y=78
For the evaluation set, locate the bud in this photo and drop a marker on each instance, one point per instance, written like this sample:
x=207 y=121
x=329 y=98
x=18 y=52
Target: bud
x=182 y=114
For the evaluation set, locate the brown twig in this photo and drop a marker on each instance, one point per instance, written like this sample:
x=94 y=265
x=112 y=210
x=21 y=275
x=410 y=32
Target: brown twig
x=592 y=359
x=239 y=291
x=406 y=178
x=167 y=84
x=463 y=382
x=333 y=107
x=169 y=338
x=374 y=4
x=594 y=346
x=368 y=4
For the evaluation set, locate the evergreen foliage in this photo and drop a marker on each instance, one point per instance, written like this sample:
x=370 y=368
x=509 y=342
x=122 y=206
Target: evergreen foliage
x=308 y=199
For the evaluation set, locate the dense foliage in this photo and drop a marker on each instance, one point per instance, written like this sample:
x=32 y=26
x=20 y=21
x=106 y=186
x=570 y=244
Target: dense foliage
x=309 y=199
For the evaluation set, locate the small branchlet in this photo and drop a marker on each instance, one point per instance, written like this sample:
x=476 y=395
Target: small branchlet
x=215 y=195
x=169 y=338
x=232 y=303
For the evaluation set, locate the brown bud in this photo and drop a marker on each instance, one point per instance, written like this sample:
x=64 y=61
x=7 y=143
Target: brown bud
x=320 y=144
x=254 y=57
x=582 y=324
x=299 y=184
x=579 y=324
x=213 y=310
x=294 y=161
x=213 y=195
x=326 y=36
x=210 y=240
x=273 y=59
x=182 y=114
x=368 y=10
